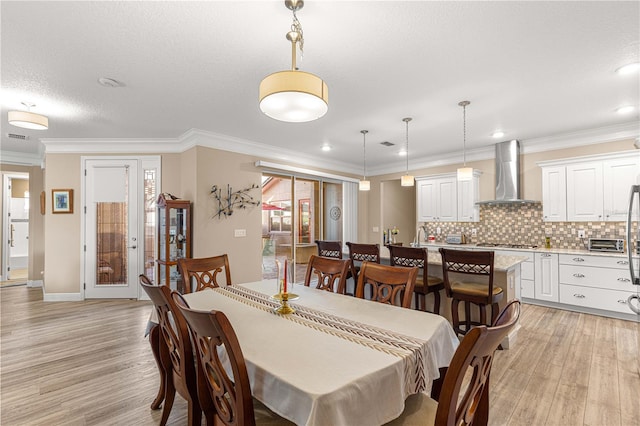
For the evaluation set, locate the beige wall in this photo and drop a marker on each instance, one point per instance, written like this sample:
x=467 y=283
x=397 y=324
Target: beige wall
x=36 y=220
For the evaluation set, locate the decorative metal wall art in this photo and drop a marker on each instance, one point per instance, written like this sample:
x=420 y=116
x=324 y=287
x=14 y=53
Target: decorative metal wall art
x=230 y=200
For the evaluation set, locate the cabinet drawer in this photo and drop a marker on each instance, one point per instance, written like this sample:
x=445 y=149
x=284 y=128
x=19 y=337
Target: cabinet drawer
x=615 y=279
x=618 y=262
x=589 y=297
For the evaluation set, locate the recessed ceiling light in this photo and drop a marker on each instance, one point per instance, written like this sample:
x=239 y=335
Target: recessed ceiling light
x=497 y=134
x=625 y=109
x=109 y=82
x=402 y=153
x=629 y=68
x=326 y=147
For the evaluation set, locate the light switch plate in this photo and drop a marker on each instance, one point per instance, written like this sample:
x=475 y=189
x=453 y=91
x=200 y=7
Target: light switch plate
x=240 y=233
x=376 y=229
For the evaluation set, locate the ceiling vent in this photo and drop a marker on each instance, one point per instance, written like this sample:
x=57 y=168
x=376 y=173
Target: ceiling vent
x=17 y=136
x=387 y=143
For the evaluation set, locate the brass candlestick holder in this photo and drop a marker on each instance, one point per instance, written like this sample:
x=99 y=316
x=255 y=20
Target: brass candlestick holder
x=284 y=299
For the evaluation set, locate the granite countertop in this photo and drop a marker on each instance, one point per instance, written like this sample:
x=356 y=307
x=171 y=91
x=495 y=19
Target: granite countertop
x=500 y=262
x=577 y=251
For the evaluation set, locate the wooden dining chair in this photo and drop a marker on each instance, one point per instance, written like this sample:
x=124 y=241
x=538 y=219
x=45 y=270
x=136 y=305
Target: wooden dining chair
x=476 y=264
x=329 y=248
x=331 y=274
x=464 y=395
x=389 y=284
x=425 y=283
x=201 y=273
x=225 y=399
x=154 y=342
x=359 y=253
x=176 y=354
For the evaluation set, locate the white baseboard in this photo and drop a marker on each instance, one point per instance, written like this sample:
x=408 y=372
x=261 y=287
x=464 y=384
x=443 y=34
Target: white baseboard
x=34 y=283
x=61 y=297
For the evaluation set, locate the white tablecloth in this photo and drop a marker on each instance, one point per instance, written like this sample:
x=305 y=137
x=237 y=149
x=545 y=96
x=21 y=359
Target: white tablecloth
x=338 y=360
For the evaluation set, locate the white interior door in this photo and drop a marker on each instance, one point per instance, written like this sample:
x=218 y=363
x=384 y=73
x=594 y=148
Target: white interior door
x=112 y=242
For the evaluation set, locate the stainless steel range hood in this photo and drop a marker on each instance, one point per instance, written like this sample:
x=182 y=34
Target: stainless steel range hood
x=508 y=174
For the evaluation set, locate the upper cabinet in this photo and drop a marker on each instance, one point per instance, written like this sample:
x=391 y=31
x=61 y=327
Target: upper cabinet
x=442 y=198
x=591 y=189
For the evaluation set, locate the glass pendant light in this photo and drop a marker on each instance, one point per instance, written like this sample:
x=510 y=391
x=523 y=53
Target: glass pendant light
x=407 y=179
x=364 y=184
x=464 y=173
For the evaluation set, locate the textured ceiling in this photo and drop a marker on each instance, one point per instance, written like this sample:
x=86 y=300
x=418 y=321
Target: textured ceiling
x=531 y=69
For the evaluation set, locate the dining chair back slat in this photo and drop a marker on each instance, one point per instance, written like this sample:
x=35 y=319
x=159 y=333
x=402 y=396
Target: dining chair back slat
x=204 y=272
x=328 y=248
x=331 y=274
x=360 y=252
x=389 y=284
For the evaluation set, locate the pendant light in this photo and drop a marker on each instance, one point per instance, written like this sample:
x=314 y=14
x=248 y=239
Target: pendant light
x=294 y=96
x=364 y=184
x=27 y=119
x=407 y=179
x=464 y=173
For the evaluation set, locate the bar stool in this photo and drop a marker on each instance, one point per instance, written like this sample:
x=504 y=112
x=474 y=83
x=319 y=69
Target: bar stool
x=425 y=283
x=471 y=263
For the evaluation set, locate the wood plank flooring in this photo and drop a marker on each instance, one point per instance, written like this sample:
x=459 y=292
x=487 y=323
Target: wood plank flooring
x=88 y=363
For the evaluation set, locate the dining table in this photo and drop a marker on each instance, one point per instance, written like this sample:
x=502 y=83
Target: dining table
x=336 y=360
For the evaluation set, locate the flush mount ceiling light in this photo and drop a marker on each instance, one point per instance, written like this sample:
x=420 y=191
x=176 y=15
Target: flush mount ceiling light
x=464 y=173
x=629 y=68
x=294 y=96
x=27 y=119
x=407 y=179
x=364 y=184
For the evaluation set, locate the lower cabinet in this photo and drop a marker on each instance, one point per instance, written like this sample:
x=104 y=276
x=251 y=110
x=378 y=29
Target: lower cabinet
x=598 y=282
x=546 y=277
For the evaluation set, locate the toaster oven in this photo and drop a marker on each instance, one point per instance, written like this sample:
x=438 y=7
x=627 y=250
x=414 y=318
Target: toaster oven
x=606 y=244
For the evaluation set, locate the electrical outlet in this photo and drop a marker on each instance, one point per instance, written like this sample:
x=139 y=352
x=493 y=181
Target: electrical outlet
x=240 y=233
x=580 y=233
x=474 y=232
x=438 y=231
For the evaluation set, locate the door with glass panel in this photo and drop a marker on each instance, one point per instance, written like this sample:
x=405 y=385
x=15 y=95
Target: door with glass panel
x=111 y=229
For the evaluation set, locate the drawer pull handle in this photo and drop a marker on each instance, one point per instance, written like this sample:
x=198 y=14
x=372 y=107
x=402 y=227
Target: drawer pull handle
x=578 y=259
x=579 y=296
x=624 y=302
x=545 y=255
x=624 y=280
x=578 y=275
x=623 y=262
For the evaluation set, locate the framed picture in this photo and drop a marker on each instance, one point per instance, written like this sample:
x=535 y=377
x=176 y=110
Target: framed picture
x=62 y=200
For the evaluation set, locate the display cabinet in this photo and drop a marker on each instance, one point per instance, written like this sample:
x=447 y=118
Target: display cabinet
x=174 y=239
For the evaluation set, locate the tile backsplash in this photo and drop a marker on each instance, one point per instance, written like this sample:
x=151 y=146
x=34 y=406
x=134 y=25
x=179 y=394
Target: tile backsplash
x=523 y=224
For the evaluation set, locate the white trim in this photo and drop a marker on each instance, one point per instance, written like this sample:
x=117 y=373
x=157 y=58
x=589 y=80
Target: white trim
x=301 y=171
x=61 y=297
x=594 y=157
x=35 y=283
x=350 y=212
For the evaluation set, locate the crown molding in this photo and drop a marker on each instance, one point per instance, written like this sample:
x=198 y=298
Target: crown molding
x=110 y=146
x=21 y=158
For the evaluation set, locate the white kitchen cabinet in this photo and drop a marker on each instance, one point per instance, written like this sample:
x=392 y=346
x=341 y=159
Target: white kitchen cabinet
x=618 y=175
x=554 y=194
x=584 y=192
x=441 y=198
x=546 y=277
x=527 y=272
x=595 y=188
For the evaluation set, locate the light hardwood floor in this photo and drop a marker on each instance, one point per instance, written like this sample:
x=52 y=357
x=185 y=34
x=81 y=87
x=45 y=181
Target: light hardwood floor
x=88 y=363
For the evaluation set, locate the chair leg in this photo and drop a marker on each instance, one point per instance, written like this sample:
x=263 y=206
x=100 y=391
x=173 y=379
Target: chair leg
x=436 y=302
x=455 y=317
x=154 y=341
x=483 y=313
x=494 y=312
x=170 y=395
x=467 y=316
